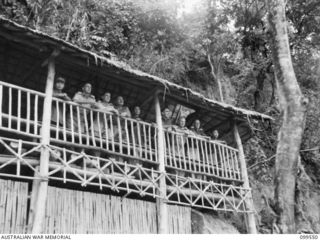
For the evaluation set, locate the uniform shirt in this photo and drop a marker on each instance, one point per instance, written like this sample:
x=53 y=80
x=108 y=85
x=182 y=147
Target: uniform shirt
x=106 y=107
x=197 y=131
x=167 y=122
x=57 y=110
x=80 y=97
x=123 y=111
x=137 y=118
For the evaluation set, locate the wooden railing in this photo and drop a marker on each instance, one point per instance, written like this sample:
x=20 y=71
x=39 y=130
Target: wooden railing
x=93 y=128
x=20 y=109
x=74 y=125
x=20 y=159
x=198 y=154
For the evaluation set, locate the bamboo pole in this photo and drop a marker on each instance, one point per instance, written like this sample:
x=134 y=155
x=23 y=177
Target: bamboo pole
x=33 y=204
x=243 y=167
x=45 y=155
x=162 y=208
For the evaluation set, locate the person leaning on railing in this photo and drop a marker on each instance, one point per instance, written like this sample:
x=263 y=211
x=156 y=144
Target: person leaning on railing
x=196 y=128
x=137 y=113
x=136 y=133
x=181 y=139
x=215 y=135
x=57 y=110
x=84 y=99
x=167 y=118
x=215 y=156
x=123 y=111
x=99 y=125
x=119 y=125
x=194 y=149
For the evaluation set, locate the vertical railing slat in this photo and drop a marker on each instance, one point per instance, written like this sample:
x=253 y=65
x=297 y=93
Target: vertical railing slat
x=91 y=129
x=188 y=166
x=193 y=155
x=220 y=161
x=28 y=112
x=203 y=157
x=139 y=142
x=211 y=158
x=19 y=111
x=133 y=126
x=198 y=155
x=149 y=140
x=71 y=120
x=206 y=143
x=106 y=130
x=173 y=149
x=58 y=117
x=178 y=145
x=184 y=153
x=36 y=100
x=145 y=147
x=64 y=121
x=112 y=133
x=10 y=108
x=79 y=124
x=99 y=129
x=127 y=135
x=1 y=97
x=86 y=125
x=119 y=134
x=228 y=162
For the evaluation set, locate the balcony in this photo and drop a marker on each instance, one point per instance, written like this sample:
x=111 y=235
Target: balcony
x=119 y=154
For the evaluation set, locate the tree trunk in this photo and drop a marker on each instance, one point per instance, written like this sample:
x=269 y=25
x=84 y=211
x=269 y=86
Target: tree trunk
x=293 y=106
x=216 y=77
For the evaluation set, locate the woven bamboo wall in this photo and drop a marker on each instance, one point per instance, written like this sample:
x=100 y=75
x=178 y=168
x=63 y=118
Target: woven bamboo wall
x=70 y=211
x=13 y=206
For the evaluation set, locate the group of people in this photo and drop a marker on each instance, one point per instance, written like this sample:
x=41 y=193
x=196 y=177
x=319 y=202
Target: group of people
x=195 y=129
x=80 y=121
x=84 y=98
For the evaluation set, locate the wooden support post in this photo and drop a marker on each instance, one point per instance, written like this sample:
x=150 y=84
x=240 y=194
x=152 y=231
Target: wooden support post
x=162 y=209
x=243 y=167
x=33 y=200
x=41 y=198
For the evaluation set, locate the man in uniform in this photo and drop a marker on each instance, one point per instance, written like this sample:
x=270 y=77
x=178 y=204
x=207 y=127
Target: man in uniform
x=57 y=112
x=86 y=100
x=196 y=128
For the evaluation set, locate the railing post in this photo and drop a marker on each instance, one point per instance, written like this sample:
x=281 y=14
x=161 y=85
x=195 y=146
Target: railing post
x=45 y=155
x=162 y=209
x=243 y=167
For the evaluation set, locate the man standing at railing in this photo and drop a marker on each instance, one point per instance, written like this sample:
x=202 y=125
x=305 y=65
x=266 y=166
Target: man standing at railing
x=179 y=145
x=167 y=118
x=99 y=126
x=196 y=128
x=123 y=112
x=56 y=111
x=84 y=99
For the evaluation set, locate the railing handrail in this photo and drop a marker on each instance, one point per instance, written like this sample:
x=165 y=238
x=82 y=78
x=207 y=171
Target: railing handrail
x=201 y=138
x=22 y=88
x=73 y=103
x=103 y=112
x=195 y=136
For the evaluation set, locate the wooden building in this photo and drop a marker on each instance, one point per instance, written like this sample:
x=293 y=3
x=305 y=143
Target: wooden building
x=127 y=175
